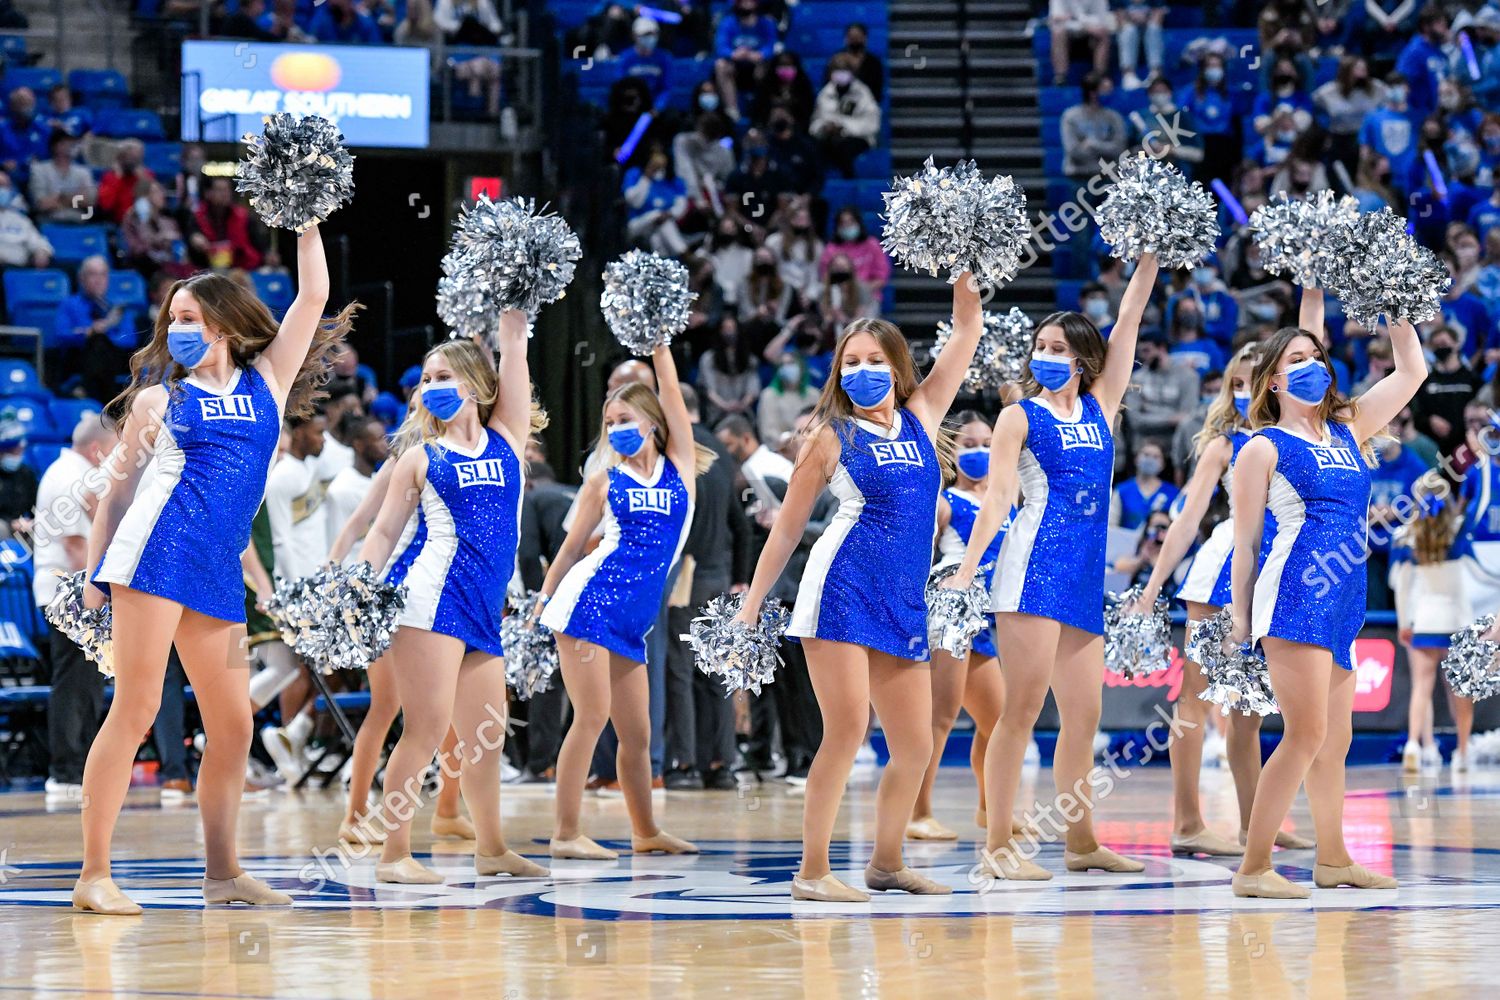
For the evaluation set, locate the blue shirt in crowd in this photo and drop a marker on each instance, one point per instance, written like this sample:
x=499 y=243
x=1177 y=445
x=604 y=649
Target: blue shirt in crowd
x=1135 y=506
x=361 y=31
x=760 y=36
x=1424 y=66
x=79 y=311
x=1392 y=478
x=659 y=197
x=654 y=67
x=1392 y=135
x=1212 y=109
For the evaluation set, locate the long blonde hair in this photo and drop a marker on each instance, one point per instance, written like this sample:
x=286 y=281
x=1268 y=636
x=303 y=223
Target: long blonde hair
x=1265 y=407
x=1223 y=418
x=247 y=327
x=471 y=365
x=1431 y=533
x=640 y=398
x=835 y=410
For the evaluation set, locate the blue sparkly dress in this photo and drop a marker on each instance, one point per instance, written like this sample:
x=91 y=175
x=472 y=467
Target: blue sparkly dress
x=182 y=535
x=471 y=507
x=1052 y=562
x=865 y=578
x=408 y=547
x=612 y=597
x=1208 y=578
x=1311 y=585
x=963 y=510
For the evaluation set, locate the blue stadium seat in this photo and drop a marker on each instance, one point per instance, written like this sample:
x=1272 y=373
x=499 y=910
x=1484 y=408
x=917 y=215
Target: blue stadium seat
x=40 y=456
x=71 y=244
x=66 y=412
x=1051 y=130
x=35 y=417
x=127 y=288
x=863 y=194
x=100 y=88
x=874 y=164
x=19 y=378
x=39 y=78
x=164 y=159
x=41 y=315
x=1067 y=293
x=122 y=122
x=275 y=290
x=572 y=13
x=1052 y=161
x=13 y=48
x=1056 y=100
x=34 y=286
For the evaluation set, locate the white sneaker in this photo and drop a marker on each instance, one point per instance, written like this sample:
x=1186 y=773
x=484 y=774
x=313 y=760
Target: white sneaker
x=509 y=773
x=258 y=777
x=1215 y=750
x=1033 y=753
x=1431 y=757
x=1101 y=743
x=55 y=789
x=1131 y=82
x=1460 y=760
x=1411 y=758
x=288 y=760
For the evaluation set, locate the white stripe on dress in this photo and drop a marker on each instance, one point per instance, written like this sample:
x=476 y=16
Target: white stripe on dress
x=159 y=481
x=1016 y=550
x=1290 y=512
x=429 y=572
x=820 y=559
x=558 y=614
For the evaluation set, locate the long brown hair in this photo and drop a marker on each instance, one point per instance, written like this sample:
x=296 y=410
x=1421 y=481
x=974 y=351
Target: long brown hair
x=834 y=408
x=1222 y=417
x=1265 y=406
x=248 y=327
x=1086 y=341
x=473 y=365
x=640 y=397
x=1430 y=535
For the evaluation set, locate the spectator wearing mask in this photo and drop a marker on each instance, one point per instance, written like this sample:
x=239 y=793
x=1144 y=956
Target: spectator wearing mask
x=1190 y=347
x=1398 y=467
x=1286 y=92
x=1372 y=182
x=787 y=86
x=1218 y=311
x=1180 y=144
x=117 y=188
x=17 y=479
x=629 y=99
x=1273 y=146
x=1145 y=493
x=1423 y=62
x=768 y=298
x=65 y=502
x=706 y=97
x=1378 y=359
x=797 y=250
x=846 y=119
x=63 y=116
x=868 y=68
x=794 y=153
x=1089 y=20
x=341 y=22
x=1140 y=26
x=646 y=62
x=187 y=187
x=789 y=393
x=62 y=189
x=728 y=251
x=21 y=244
x=1302 y=173
x=1161 y=393
x=1090 y=131
x=222 y=239
x=102 y=332
x=656 y=201
x=1208 y=100
x=727 y=373
x=758 y=183
x=150 y=238
x=703 y=162
x=1438 y=409
x=1094 y=302
x=23 y=136
x=1388 y=132
x=844 y=297
x=1485 y=31
x=1344 y=103
x=1137 y=566
x=850 y=239
x=746 y=42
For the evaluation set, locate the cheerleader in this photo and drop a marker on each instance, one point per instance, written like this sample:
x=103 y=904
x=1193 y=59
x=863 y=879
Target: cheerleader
x=1481 y=494
x=448 y=822
x=861 y=611
x=1427 y=577
x=202 y=415
x=601 y=606
x=1205 y=591
x=1056 y=450
x=1308 y=464
x=975 y=683
x=460 y=450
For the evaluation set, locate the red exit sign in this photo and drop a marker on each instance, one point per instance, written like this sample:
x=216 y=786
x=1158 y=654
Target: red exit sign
x=491 y=187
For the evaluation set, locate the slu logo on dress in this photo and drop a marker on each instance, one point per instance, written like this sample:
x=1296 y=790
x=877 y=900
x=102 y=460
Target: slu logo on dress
x=1334 y=458
x=1080 y=436
x=896 y=453
x=652 y=500
x=489 y=472
x=239 y=407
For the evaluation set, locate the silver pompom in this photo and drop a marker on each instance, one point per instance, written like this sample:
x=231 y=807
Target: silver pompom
x=954 y=220
x=338 y=618
x=1238 y=680
x=505 y=255
x=1376 y=268
x=297 y=172
x=741 y=657
x=646 y=300
x=1004 y=348
x=955 y=617
x=87 y=628
x=1293 y=234
x=1136 y=644
x=530 y=648
x=1153 y=208
x=1470 y=665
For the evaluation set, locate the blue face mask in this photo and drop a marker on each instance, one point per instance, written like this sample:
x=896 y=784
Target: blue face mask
x=11 y=462
x=186 y=344
x=867 y=385
x=1308 y=381
x=1242 y=404
x=1050 y=371
x=626 y=439
x=442 y=400
x=708 y=101
x=974 y=462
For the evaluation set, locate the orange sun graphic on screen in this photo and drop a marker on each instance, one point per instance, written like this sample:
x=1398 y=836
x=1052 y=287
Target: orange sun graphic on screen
x=305 y=71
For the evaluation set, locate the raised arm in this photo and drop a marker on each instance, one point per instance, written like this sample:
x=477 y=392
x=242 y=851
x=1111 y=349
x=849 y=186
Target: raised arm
x=363 y=516
x=1386 y=398
x=931 y=400
x=395 y=508
x=810 y=475
x=681 y=448
x=512 y=412
x=1310 y=312
x=1184 y=528
x=1000 y=496
x=1252 y=480
x=122 y=471
x=286 y=353
x=1119 y=359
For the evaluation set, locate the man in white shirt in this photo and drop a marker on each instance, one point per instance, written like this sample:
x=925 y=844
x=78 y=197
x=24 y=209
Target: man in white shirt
x=368 y=444
x=65 y=501
x=758 y=464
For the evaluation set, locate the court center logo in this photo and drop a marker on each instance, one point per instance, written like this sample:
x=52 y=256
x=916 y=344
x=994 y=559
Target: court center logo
x=733 y=880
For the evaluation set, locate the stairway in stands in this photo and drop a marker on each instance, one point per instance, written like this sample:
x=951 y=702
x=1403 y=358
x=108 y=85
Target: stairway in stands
x=963 y=85
x=79 y=34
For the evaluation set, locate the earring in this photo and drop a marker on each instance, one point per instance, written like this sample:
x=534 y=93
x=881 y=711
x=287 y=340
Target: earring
x=1273 y=388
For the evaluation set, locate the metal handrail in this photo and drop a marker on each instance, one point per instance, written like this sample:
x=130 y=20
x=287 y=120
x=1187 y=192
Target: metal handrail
x=35 y=332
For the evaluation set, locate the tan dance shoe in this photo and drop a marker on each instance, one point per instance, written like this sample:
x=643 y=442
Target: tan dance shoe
x=928 y=828
x=243 y=889
x=1207 y=842
x=904 y=880
x=103 y=896
x=509 y=863
x=452 y=827
x=1005 y=863
x=407 y=871
x=1102 y=859
x=826 y=890
x=1268 y=884
x=661 y=842
x=581 y=848
x=1355 y=876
